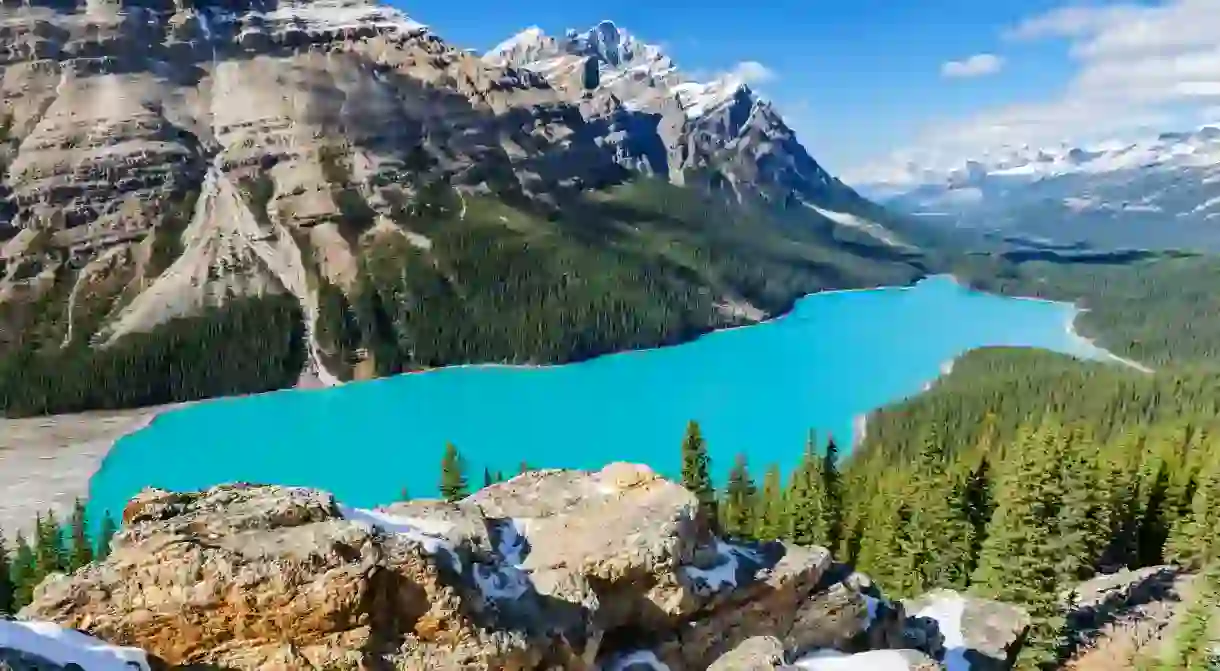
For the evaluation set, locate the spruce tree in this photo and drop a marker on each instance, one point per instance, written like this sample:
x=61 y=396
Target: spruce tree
x=1193 y=537
x=808 y=509
x=1082 y=525
x=740 y=502
x=6 y=579
x=24 y=571
x=487 y=479
x=453 y=477
x=49 y=551
x=1018 y=562
x=82 y=550
x=833 y=487
x=1193 y=648
x=696 y=471
x=524 y=467
x=771 y=506
x=105 y=536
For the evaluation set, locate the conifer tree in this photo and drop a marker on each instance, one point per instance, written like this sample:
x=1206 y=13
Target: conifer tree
x=740 y=502
x=1193 y=537
x=487 y=479
x=6 y=579
x=524 y=467
x=833 y=487
x=49 y=551
x=404 y=494
x=771 y=506
x=499 y=476
x=696 y=471
x=808 y=509
x=1193 y=648
x=24 y=571
x=1018 y=559
x=1082 y=525
x=105 y=535
x=82 y=550
x=453 y=476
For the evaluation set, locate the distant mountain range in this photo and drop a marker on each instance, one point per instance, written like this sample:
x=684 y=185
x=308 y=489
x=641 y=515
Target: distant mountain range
x=1160 y=192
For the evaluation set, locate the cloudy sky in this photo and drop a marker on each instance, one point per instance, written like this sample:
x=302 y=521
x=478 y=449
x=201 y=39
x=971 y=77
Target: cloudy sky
x=872 y=85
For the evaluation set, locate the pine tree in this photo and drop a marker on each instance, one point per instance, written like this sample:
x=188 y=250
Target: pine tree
x=833 y=487
x=740 y=502
x=524 y=467
x=1083 y=524
x=404 y=494
x=696 y=471
x=24 y=571
x=809 y=514
x=771 y=506
x=1193 y=648
x=105 y=536
x=49 y=550
x=1018 y=559
x=499 y=476
x=935 y=546
x=82 y=550
x=453 y=477
x=487 y=479
x=1191 y=540
x=6 y=579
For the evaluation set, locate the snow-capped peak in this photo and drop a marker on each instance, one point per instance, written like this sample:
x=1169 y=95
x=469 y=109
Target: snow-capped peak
x=528 y=37
x=635 y=72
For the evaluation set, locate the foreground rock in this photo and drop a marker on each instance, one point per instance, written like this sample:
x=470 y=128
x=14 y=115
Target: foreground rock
x=553 y=569
x=966 y=632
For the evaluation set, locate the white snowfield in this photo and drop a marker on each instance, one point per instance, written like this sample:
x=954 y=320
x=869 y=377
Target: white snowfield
x=68 y=646
x=634 y=660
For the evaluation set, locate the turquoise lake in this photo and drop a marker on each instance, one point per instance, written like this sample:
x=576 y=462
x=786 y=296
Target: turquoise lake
x=757 y=390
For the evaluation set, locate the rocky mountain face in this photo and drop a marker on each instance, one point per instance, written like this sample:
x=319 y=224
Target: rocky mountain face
x=612 y=570
x=1159 y=192
x=659 y=120
x=164 y=158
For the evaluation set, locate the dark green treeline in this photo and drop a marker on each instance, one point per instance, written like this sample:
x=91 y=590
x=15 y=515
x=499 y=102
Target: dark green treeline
x=53 y=548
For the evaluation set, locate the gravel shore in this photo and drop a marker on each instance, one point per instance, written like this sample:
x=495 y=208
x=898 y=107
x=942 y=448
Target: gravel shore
x=46 y=462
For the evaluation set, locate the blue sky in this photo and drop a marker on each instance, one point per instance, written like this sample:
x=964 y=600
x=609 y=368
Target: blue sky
x=869 y=81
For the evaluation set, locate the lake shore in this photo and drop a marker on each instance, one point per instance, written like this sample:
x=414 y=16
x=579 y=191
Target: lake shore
x=46 y=462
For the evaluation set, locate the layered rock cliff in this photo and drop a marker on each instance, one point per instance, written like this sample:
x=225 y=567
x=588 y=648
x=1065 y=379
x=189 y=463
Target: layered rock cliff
x=162 y=158
x=553 y=569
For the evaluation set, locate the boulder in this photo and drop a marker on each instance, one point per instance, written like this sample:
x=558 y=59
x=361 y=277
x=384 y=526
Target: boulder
x=761 y=653
x=959 y=629
x=550 y=570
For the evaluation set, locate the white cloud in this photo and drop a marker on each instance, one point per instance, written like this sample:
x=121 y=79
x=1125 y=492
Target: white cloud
x=978 y=65
x=753 y=72
x=1138 y=67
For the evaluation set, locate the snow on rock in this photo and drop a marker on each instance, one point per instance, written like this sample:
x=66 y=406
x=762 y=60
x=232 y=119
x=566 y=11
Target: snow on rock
x=706 y=582
x=852 y=221
x=505 y=580
x=512 y=544
x=947 y=610
x=324 y=15
x=431 y=534
x=635 y=661
x=68 y=646
x=833 y=660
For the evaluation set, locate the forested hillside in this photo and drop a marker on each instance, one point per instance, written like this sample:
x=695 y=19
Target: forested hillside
x=639 y=265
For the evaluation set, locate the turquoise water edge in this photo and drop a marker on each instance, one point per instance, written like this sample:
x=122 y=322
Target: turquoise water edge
x=757 y=389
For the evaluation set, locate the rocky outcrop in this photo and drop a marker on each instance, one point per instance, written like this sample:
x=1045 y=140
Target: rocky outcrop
x=966 y=632
x=552 y=569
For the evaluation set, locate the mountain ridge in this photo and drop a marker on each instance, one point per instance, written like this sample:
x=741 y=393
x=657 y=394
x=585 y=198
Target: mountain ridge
x=415 y=205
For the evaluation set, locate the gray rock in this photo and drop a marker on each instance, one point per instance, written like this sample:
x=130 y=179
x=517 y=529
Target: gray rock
x=761 y=653
x=991 y=632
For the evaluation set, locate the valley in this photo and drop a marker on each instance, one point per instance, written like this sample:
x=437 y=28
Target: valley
x=724 y=405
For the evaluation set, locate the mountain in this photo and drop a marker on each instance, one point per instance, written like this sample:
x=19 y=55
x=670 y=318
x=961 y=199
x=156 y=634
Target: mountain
x=1159 y=192
x=205 y=198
